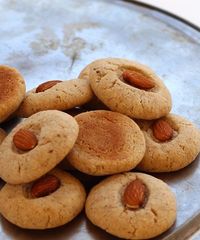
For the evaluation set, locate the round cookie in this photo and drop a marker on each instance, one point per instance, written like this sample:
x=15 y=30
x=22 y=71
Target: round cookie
x=136 y=101
x=20 y=207
x=173 y=154
x=52 y=133
x=107 y=206
x=56 y=95
x=13 y=90
x=2 y=135
x=108 y=143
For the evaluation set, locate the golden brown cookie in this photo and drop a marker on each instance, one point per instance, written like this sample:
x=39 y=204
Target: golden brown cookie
x=130 y=88
x=59 y=95
x=37 y=145
x=168 y=151
x=132 y=206
x=12 y=87
x=108 y=142
x=49 y=202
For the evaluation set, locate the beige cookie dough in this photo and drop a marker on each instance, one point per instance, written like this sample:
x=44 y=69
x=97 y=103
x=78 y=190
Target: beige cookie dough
x=105 y=207
x=2 y=135
x=174 y=154
x=19 y=207
x=62 y=96
x=56 y=133
x=108 y=85
x=12 y=87
x=108 y=143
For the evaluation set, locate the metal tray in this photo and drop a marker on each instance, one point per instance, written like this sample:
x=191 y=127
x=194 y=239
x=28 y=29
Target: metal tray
x=56 y=39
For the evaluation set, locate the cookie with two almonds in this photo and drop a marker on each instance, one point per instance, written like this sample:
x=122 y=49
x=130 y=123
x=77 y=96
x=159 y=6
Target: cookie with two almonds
x=49 y=202
x=37 y=145
x=172 y=143
x=130 y=88
x=132 y=206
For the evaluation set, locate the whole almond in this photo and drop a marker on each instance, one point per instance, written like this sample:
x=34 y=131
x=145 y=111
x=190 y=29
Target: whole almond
x=46 y=85
x=162 y=130
x=138 y=79
x=45 y=186
x=25 y=140
x=135 y=194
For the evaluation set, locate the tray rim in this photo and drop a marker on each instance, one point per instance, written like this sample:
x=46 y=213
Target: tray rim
x=165 y=12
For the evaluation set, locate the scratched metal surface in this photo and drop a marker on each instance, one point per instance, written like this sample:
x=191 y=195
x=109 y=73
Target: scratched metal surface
x=56 y=39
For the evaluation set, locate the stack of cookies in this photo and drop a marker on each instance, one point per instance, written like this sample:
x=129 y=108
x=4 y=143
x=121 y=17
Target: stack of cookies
x=116 y=120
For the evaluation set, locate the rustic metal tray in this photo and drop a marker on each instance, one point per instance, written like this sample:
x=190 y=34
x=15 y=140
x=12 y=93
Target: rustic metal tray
x=56 y=39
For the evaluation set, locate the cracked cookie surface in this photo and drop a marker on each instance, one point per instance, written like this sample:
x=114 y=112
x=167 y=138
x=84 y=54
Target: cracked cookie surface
x=62 y=96
x=108 y=142
x=109 y=86
x=50 y=211
x=13 y=90
x=174 y=154
x=56 y=133
x=105 y=209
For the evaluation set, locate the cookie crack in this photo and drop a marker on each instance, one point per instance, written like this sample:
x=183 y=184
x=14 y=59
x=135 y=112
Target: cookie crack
x=153 y=211
x=48 y=220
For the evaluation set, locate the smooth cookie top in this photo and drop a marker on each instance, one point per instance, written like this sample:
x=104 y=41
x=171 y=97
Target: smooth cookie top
x=36 y=146
x=60 y=96
x=173 y=154
x=19 y=206
x=106 y=206
x=108 y=142
x=13 y=90
x=108 y=82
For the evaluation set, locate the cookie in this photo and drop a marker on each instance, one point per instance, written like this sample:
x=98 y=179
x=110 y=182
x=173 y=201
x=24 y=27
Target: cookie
x=13 y=90
x=2 y=135
x=95 y=103
x=49 y=202
x=108 y=142
x=132 y=206
x=58 y=95
x=130 y=88
x=36 y=146
x=178 y=150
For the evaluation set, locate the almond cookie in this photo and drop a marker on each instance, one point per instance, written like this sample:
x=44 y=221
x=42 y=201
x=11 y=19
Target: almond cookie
x=53 y=200
x=130 y=88
x=172 y=143
x=59 y=95
x=132 y=206
x=36 y=146
x=108 y=143
x=13 y=90
x=2 y=135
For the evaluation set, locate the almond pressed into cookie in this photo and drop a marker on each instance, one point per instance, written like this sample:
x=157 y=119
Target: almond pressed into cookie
x=130 y=88
x=132 y=206
x=21 y=207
